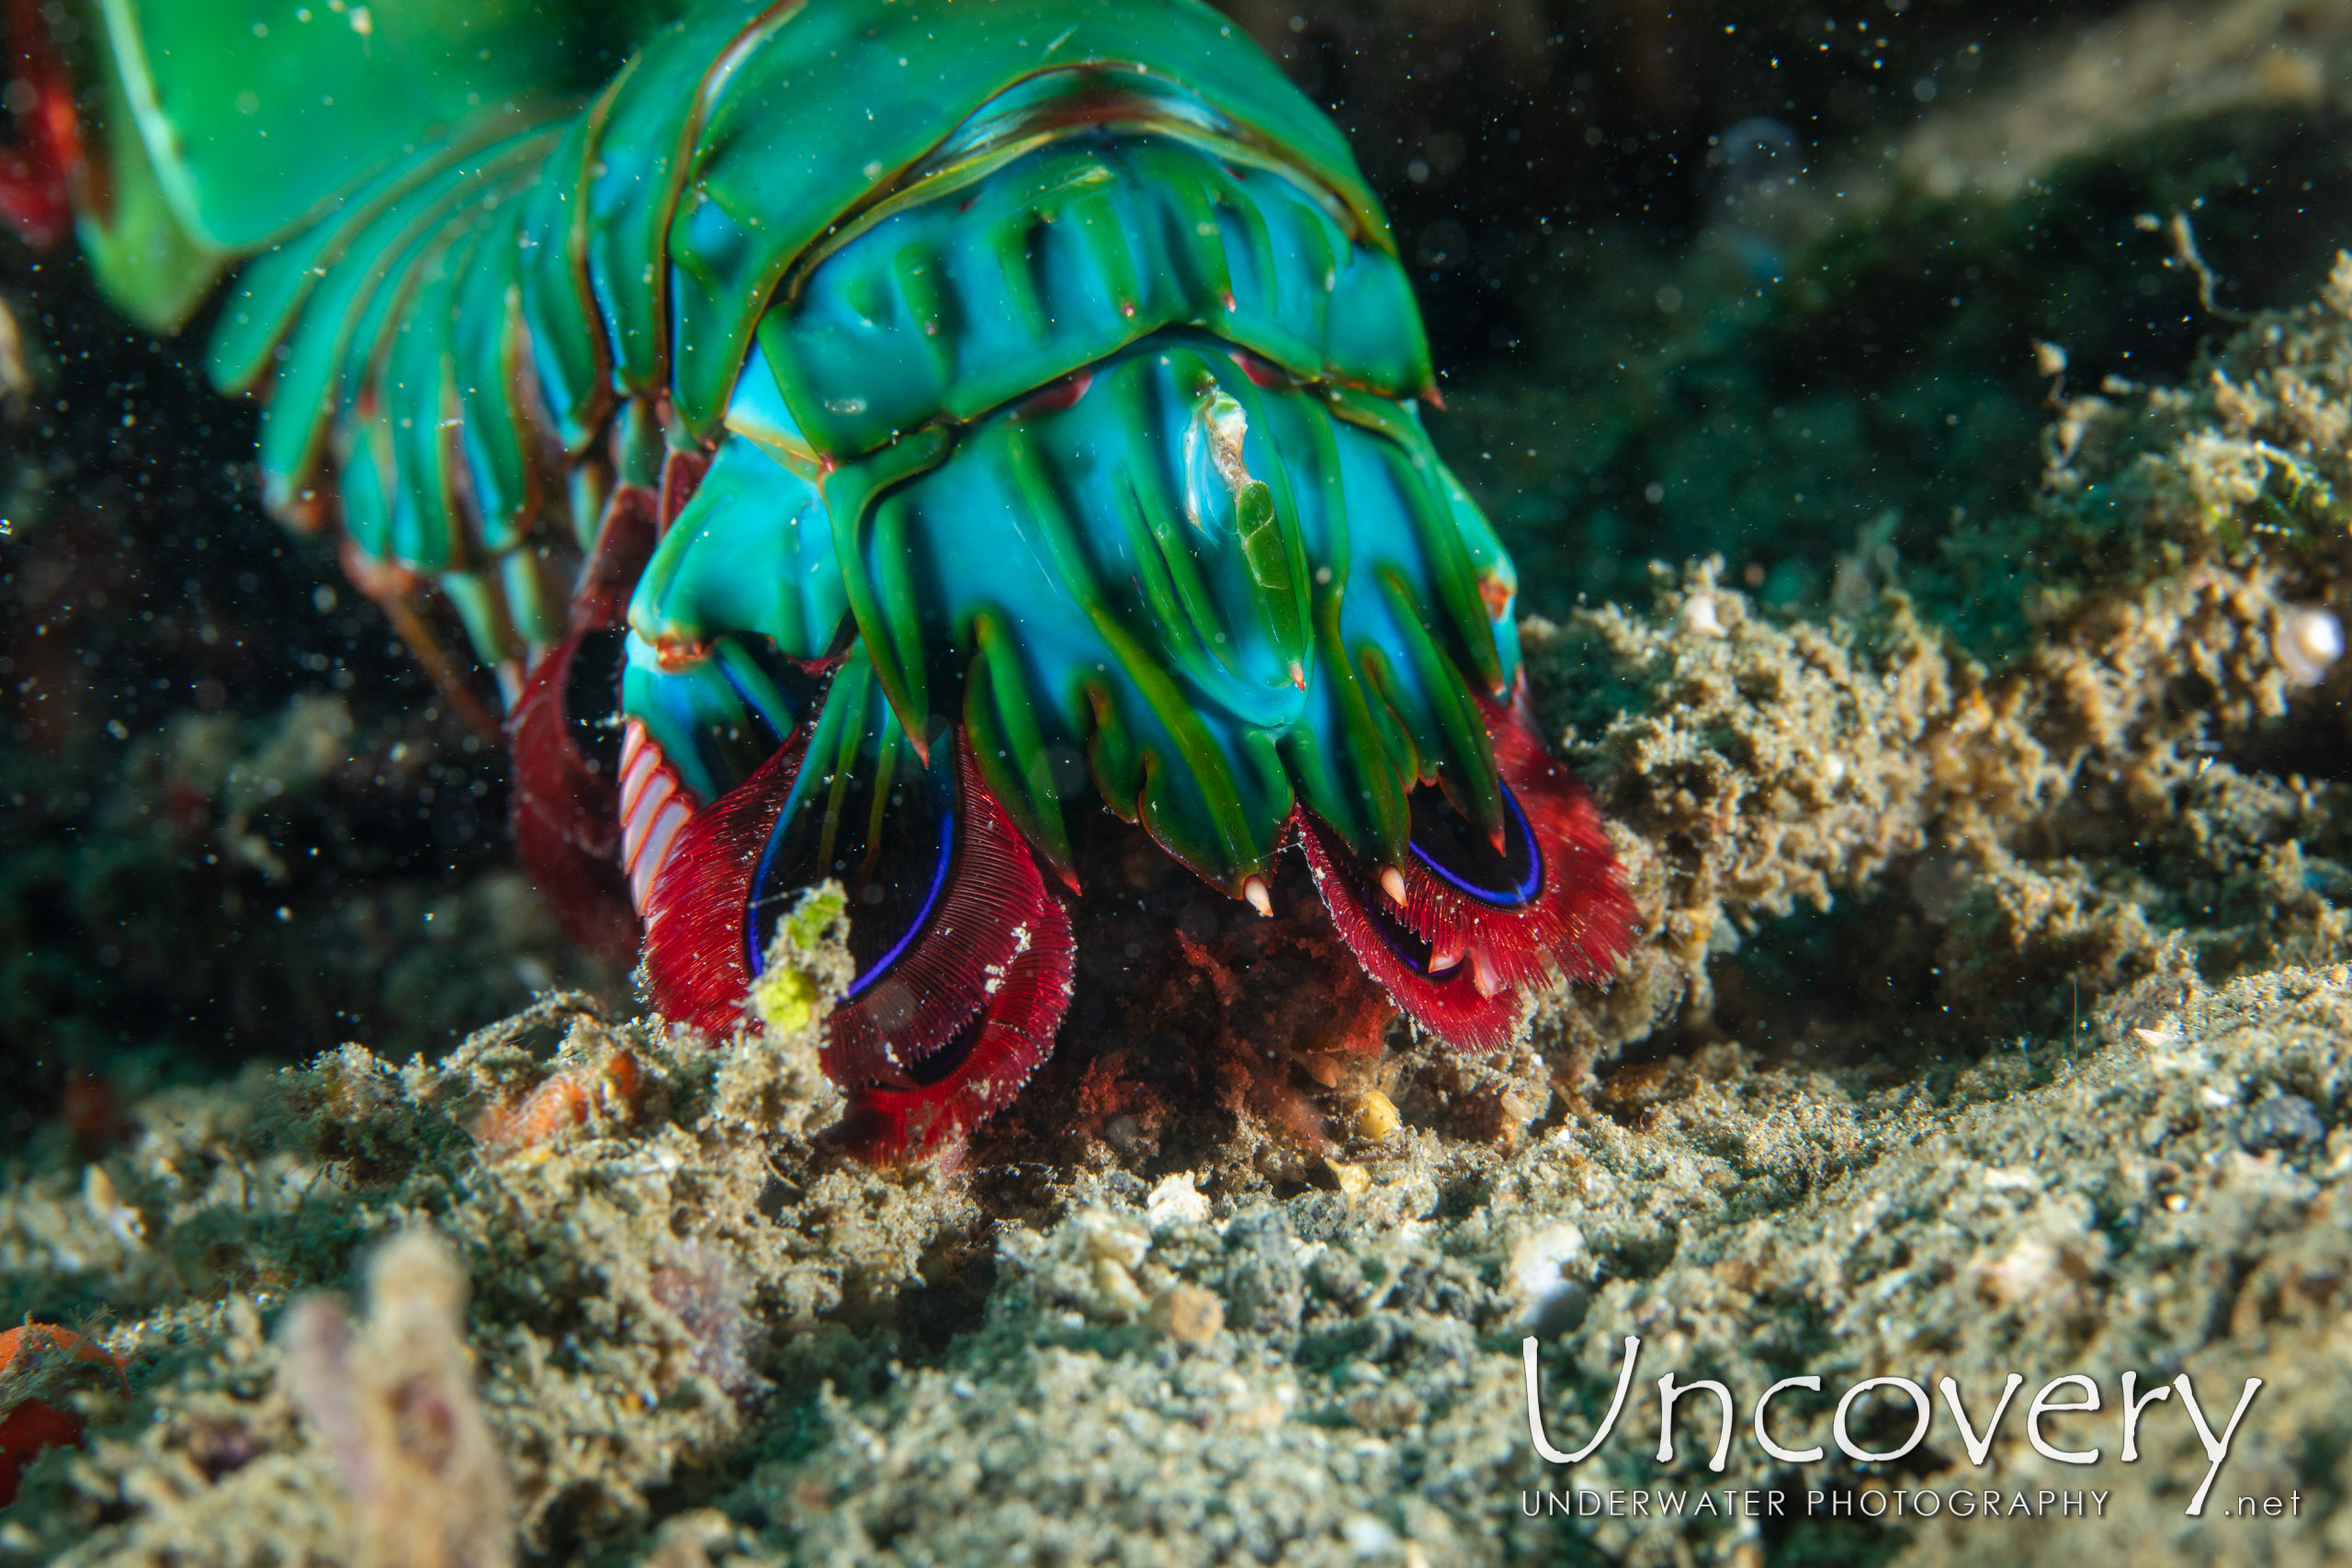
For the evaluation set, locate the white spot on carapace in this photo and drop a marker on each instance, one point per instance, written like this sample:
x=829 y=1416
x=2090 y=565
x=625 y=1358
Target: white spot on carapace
x=1219 y=428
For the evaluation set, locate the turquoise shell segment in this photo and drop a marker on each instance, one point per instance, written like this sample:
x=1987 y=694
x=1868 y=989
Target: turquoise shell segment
x=566 y=331
x=759 y=413
x=986 y=289
x=1052 y=359
x=753 y=552
x=509 y=478
x=1203 y=589
x=263 y=118
x=718 y=718
x=267 y=297
x=825 y=114
x=647 y=144
x=315 y=379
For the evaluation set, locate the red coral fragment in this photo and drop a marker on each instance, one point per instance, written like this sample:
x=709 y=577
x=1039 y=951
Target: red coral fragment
x=30 y=1426
x=567 y=1100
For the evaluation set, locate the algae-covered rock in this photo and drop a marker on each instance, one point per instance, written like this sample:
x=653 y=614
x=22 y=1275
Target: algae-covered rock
x=680 y=1344
x=2036 y=826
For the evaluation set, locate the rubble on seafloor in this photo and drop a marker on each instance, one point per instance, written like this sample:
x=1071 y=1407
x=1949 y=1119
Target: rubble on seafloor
x=694 y=1332
x=697 y=1335
x=2148 y=771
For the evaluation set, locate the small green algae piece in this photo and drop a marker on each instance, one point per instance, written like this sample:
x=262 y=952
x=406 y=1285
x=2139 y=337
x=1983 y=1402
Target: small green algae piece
x=797 y=986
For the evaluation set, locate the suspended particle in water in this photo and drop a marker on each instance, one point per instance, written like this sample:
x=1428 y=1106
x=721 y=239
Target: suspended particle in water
x=2309 y=641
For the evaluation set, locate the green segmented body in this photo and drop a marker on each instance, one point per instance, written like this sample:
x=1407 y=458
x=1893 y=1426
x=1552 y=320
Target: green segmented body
x=1052 y=354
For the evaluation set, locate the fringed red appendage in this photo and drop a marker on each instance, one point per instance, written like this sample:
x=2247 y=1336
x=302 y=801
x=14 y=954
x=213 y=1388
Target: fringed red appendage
x=981 y=994
x=1480 y=929
x=566 y=815
x=566 y=808
x=953 y=1024
x=894 y=1020
x=699 y=880
x=37 y=176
